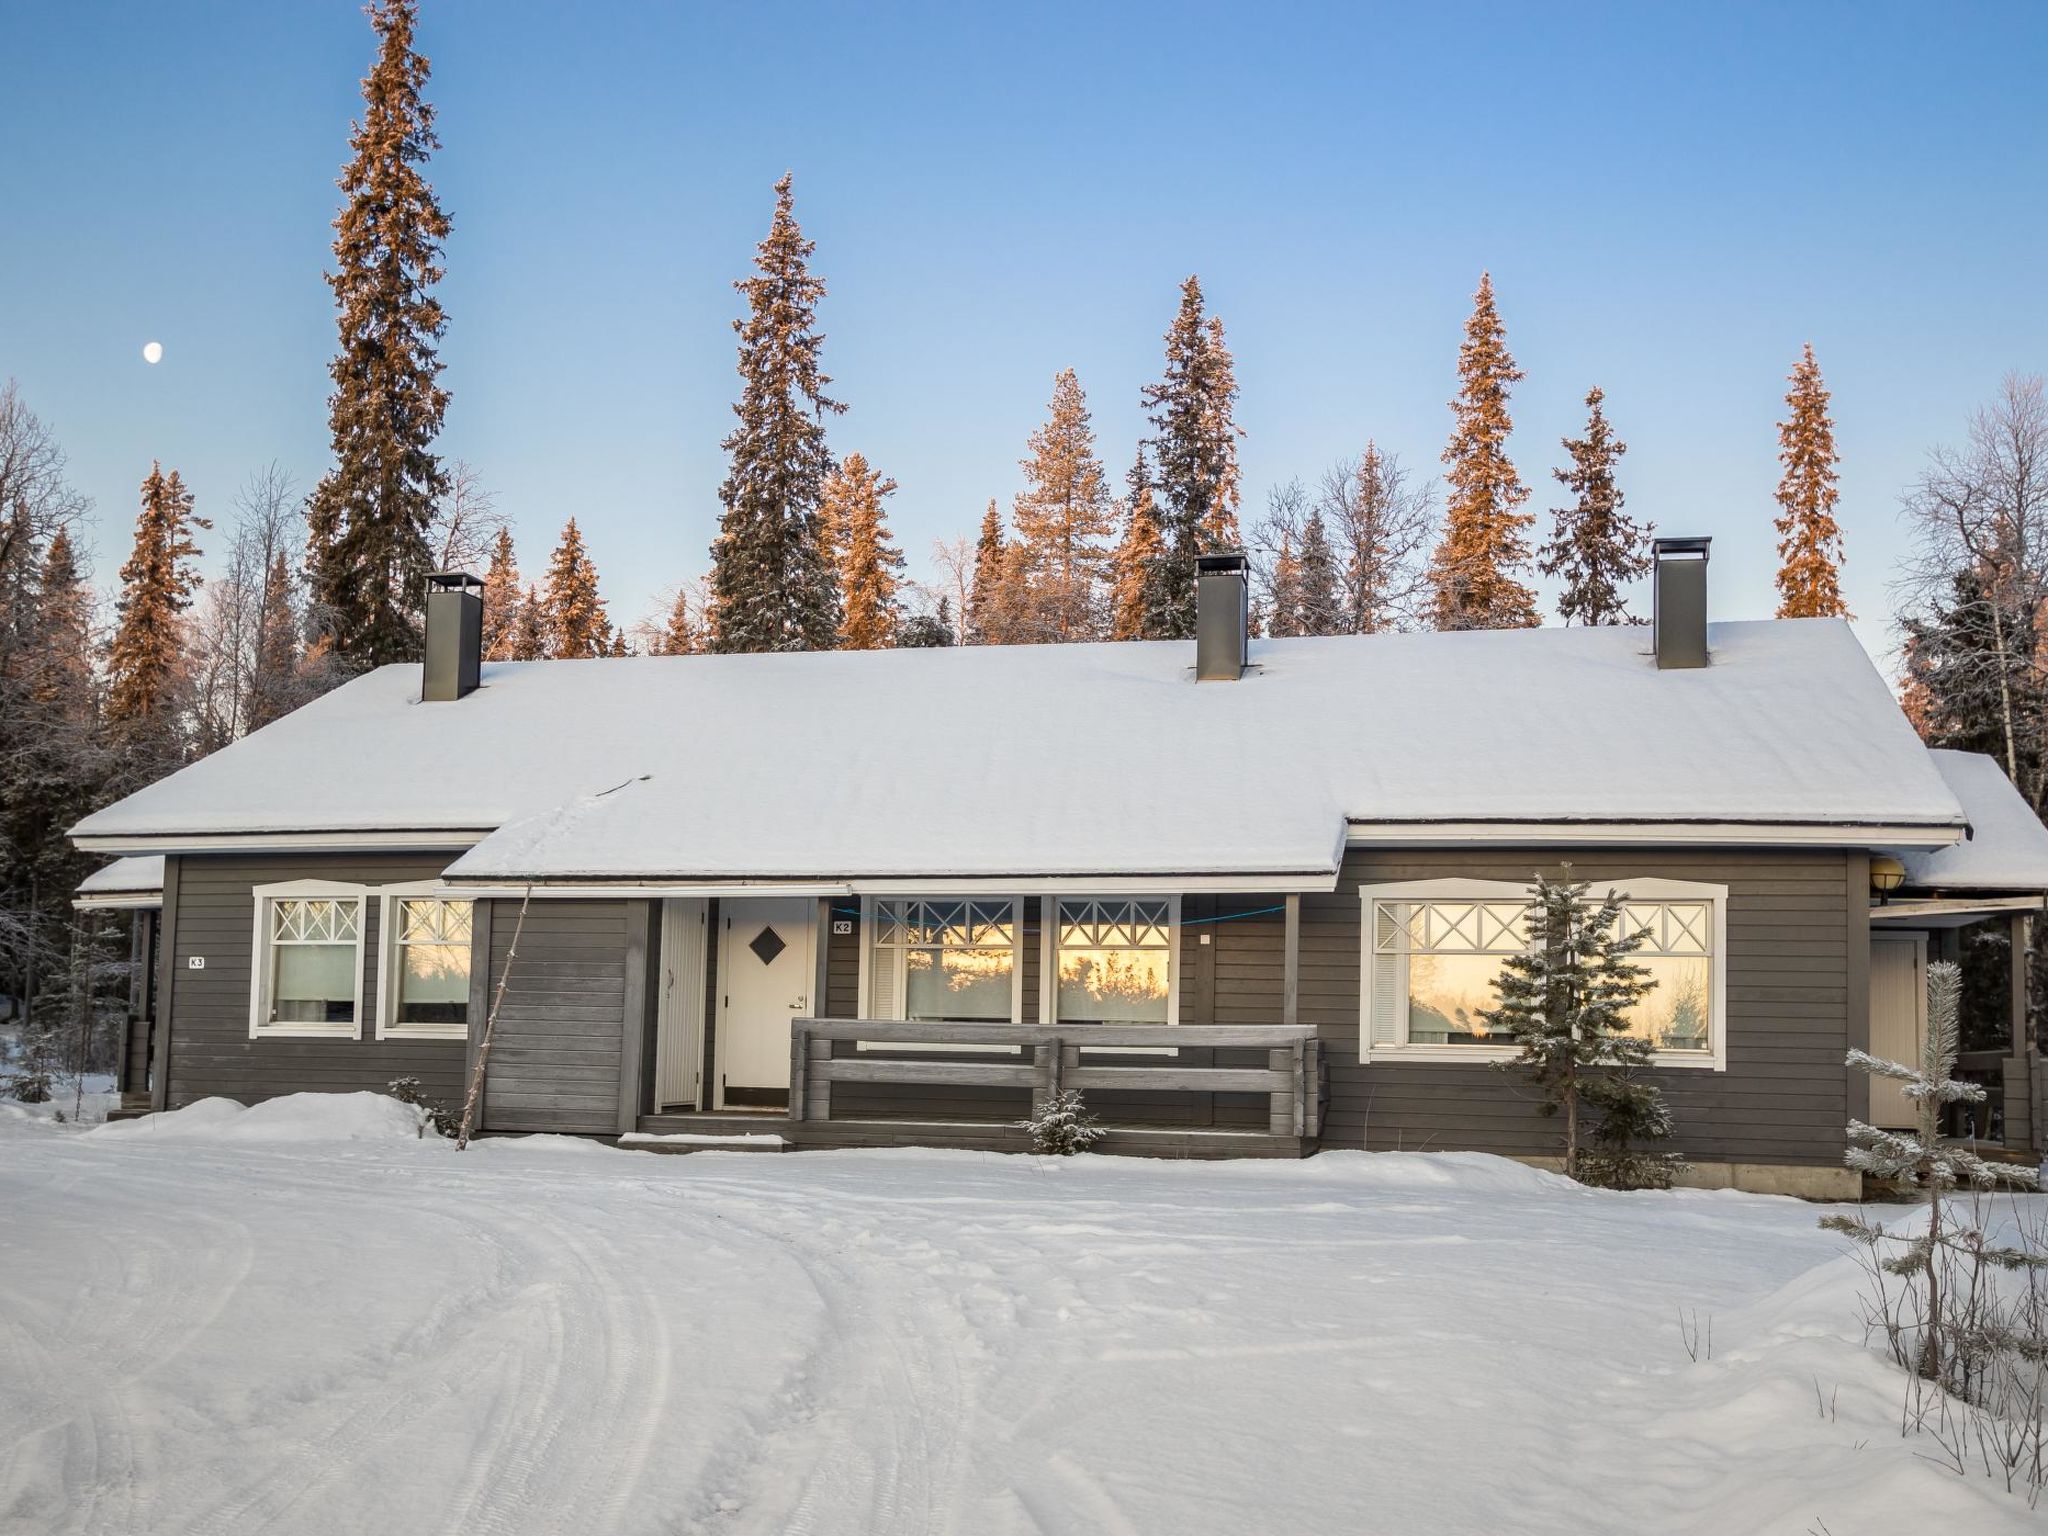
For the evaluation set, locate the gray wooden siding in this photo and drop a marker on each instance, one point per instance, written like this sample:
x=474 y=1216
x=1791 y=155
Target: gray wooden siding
x=1797 y=958
x=556 y=1054
x=211 y=1055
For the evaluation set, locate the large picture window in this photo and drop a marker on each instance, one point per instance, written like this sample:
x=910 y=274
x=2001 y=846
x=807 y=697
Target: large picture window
x=309 y=963
x=1114 y=961
x=1435 y=950
x=426 y=967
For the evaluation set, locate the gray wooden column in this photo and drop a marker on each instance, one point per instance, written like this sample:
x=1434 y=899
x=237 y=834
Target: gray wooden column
x=166 y=969
x=1290 y=970
x=1856 y=893
x=479 y=999
x=635 y=1016
x=2021 y=1067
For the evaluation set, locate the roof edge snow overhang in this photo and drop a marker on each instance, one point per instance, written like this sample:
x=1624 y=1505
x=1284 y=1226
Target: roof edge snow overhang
x=391 y=840
x=500 y=884
x=1722 y=834
x=112 y=900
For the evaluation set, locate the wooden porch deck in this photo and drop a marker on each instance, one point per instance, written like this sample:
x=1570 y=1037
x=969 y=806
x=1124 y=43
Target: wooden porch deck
x=1050 y=1059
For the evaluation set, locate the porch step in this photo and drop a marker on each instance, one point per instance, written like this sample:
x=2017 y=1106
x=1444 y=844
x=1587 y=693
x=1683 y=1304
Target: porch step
x=698 y=1141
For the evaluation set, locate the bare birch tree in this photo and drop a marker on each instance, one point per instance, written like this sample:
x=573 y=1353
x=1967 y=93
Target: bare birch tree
x=1980 y=564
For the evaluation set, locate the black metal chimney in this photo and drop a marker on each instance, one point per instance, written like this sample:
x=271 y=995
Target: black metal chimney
x=1222 y=609
x=455 y=636
x=1679 y=606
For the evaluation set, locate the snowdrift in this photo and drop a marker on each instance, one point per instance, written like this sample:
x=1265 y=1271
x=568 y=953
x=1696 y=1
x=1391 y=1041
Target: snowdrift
x=296 y=1117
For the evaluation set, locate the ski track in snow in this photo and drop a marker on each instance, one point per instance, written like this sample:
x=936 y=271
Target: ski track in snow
x=198 y=1337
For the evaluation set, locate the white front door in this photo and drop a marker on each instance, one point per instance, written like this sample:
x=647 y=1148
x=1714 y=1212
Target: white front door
x=1898 y=1020
x=766 y=970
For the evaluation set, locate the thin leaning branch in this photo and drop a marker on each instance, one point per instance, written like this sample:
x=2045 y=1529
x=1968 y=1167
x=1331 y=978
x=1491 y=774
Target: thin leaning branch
x=483 y=1050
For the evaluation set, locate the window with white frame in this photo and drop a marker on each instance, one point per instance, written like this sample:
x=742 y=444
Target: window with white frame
x=1113 y=962
x=309 y=963
x=1435 y=949
x=953 y=960
x=426 y=969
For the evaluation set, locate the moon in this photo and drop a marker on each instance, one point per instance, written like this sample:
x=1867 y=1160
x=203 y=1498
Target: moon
x=153 y=352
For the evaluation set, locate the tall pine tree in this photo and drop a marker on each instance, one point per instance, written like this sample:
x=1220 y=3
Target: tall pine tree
x=681 y=635
x=1063 y=516
x=146 y=666
x=368 y=518
x=1809 y=538
x=576 y=621
x=1474 y=576
x=869 y=565
x=1142 y=572
x=984 y=599
x=1319 y=603
x=771 y=577
x=1594 y=545
x=501 y=599
x=529 y=641
x=1194 y=478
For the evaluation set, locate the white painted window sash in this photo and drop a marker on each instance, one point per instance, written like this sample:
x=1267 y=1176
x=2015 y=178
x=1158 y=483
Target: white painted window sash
x=389 y=942
x=1383 y=978
x=1049 y=990
x=896 y=958
x=263 y=956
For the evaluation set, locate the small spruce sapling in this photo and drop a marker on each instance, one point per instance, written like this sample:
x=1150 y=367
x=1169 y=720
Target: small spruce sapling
x=1920 y=1159
x=1565 y=1002
x=1063 y=1127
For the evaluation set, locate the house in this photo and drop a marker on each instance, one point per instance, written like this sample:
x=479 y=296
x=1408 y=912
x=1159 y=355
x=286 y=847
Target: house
x=1246 y=895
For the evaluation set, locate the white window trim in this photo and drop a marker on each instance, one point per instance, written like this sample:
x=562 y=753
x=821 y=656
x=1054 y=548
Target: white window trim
x=260 y=960
x=1049 y=984
x=1456 y=889
x=388 y=897
x=868 y=929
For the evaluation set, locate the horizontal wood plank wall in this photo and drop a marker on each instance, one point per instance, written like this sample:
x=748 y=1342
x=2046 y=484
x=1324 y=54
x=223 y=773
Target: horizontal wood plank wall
x=1784 y=1097
x=556 y=1055
x=210 y=1049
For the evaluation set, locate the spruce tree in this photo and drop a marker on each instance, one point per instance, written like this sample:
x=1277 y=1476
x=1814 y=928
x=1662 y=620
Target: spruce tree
x=529 y=640
x=501 y=599
x=681 y=636
x=1383 y=527
x=1283 y=614
x=869 y=565
x=1594 y=546
x=771 y=578
x=1809 y=538
x=1565 y=1002
x=576 y=621
x=147 y=662
x=369 y=516
x=1968 y=679
x=984 y=597
x=1063 y=516
x=1474 y=576
x=1194 y=477
x=1142 y=571
x=276 y=681
x=1319 y=603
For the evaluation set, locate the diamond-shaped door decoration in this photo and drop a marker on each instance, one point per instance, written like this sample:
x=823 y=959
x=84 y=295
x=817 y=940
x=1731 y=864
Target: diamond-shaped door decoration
x=767 y=944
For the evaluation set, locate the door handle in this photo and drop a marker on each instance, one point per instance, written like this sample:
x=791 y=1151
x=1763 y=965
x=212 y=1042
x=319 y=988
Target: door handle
x=797 y=1006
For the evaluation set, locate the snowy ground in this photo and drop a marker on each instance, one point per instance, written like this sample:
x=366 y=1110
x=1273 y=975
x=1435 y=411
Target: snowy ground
x=263 y=1321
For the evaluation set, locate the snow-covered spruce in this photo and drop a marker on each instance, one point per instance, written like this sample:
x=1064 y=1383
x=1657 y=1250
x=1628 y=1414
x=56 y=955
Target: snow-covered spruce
x=1063 y=1126
x=1565 y=1002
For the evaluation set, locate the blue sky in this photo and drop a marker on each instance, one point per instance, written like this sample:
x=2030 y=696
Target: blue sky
x=1671 y=200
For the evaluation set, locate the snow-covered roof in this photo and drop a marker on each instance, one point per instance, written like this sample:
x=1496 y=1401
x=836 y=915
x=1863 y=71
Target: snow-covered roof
x=1079 y=759
x=2008 y=846
x=125 y=882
